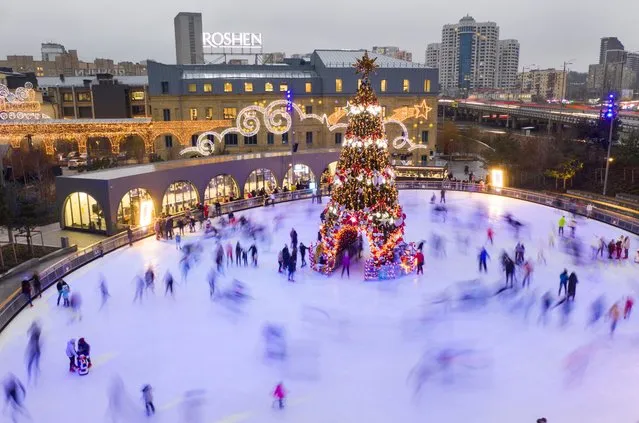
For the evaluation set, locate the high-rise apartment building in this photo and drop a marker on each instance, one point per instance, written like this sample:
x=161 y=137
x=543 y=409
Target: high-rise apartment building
x=433 y=52
x=547 y=84
x=469 y=56
x=608 y=43
x=189 y=48
x=50 y=51
x=507 y=64
x=394 y=52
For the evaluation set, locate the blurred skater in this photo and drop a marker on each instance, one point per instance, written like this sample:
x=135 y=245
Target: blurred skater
x=238 y=254
x=596 y=310
x=546 y=302
x=168 y=283
x=149 y=279
x=147 y=397
x=211 y=279
x=26 y=291
x=572 y=286
x=303 y=249
x=491 y=234
x=346 y=264
x=419 y=257
x=279 y=393
x=229 y=254
x=483 y=256
x=14 y=394
x=104 y=292
x=627 y=308
x=563 y=282
x=561 y=224
x=139 y=288
x=613 y=315
x=253 y=251
x=33 y=351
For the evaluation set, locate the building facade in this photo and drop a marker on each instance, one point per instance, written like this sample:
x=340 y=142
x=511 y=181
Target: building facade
x=608 y=43
x=56 y=61
x=507 y=64
x=99 y=97
x=188 y=38
x=394 y=52
x=433 y=52
x=469 y=57
x=320 y=87
x=547 y=84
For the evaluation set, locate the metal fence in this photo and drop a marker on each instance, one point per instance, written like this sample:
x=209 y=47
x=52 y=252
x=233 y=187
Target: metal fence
x=52 y=274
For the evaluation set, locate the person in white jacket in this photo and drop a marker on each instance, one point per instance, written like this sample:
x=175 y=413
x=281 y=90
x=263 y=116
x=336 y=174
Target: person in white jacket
x=72 y=354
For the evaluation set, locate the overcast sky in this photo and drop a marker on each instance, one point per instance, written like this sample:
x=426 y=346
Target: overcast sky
x=549 y=31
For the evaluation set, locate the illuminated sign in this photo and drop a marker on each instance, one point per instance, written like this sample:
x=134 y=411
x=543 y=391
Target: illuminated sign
x=232 y=40
x=93 y=72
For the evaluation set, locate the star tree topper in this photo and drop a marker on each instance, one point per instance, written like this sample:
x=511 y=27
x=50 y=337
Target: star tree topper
x=365 y=65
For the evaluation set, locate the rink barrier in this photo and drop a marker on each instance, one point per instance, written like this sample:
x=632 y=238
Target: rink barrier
x=49 y=276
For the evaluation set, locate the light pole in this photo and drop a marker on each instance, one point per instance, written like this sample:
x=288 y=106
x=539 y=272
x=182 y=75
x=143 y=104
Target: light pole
x=565 y=82
x=523 y=72
x=609 y=113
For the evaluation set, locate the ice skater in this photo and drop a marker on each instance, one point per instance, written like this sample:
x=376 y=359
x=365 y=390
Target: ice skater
x=219 y=257
x=14 y=394
x=279 y=393
x=292 y=267
x=104 y=292
x=139 y=289
x=346 y=264
x=238 y=254
x=33 y=351
x=562 y=224
x=563 y=282
x=84 y=349
x=211 y=279
x=419 y=257
x=185 y=267
x=303 y=249
x=147 y=397
x=253 y=251
x=61 y=283
x=528 y=269
x=509 y=268
x=546 y=302
x=26 y=291
x=491 y=235
x=483 y=256
x=613 y=315
x=572 y=286
x=76 y=306
x=168 y=283
x=178 y=242
x=596 y=310
x=149 y=279
x=442 y=196
x=229 y=254
x=72 y=354
x=627 y=308
x=65 y=295
x=37 y=283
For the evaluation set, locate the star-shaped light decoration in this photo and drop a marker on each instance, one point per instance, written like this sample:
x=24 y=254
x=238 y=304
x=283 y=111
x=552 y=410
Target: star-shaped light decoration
x=365 y=65
x=422 y=110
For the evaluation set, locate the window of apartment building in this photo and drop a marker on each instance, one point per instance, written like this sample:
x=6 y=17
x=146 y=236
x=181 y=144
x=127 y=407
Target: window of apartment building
x=84 y=96
x=85 y=113
x=192 y=88
x=165 y=87
x=228 y=87
x=268 y=87
x=424 y=137
x=68 y=112
x=248 y=87
x=427 y=85
x=285 y=138
x=230 y=139
x=270 y=138
x=229 y=113
x=308 y=109
x=137 y=95
x=67 y=96
x=208 y=88
x=137 y=110
x=338 y=85
x=168 y=141
x=250 y=140
x=382 y=86
x=406 y=86
x=193 y=113
x=166 y=114
x=283 y=87
x=309 y=137
x=308 y=87
x=208 y=113
x=338 y=137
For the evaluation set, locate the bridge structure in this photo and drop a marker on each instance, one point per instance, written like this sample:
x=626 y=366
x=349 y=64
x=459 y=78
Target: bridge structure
x=516 y=116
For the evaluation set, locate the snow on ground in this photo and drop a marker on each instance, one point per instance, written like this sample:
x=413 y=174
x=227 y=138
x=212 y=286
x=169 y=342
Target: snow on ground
x=353 y=345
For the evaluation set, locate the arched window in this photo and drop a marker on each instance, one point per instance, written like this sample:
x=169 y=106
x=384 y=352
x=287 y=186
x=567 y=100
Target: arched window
x=222 y=188
x=136 y=209
x=258 y=180
x=299 y=176
x=179 y=196
x=81 y=211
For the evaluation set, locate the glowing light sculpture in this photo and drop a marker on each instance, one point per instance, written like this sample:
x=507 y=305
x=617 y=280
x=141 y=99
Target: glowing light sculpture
x=364 y=196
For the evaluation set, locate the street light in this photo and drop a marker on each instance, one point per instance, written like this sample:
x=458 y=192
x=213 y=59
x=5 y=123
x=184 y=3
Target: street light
x=523 y=71
x=608 y=113
x=563 y=90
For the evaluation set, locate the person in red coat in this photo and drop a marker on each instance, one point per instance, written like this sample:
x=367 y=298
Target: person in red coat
x=627 y=309
x=420 y=262
x=280 y=394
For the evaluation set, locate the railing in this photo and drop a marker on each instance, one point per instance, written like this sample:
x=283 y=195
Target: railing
x=12 y=306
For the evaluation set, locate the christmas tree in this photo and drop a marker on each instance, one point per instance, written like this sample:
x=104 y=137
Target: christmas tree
x=364 y=196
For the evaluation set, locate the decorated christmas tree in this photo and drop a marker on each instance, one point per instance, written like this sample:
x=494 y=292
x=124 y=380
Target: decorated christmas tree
x=364 y=196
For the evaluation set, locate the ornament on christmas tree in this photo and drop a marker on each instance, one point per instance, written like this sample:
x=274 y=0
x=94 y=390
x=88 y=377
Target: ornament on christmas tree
x=364 y=197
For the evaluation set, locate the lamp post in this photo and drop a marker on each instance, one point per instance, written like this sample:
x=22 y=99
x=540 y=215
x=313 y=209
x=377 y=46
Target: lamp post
x=609 y=113
x=523 y=72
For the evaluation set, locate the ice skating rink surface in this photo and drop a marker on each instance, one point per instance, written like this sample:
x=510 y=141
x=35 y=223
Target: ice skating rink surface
x=356 y=351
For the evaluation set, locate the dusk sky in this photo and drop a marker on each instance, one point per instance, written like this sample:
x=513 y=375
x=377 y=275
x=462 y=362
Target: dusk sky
x=549 y=31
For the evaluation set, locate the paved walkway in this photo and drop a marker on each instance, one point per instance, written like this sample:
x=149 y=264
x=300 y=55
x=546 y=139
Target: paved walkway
x=52 y=233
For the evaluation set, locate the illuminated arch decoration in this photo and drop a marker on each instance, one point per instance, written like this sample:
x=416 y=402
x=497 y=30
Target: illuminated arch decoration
x=21 y=104
x=278 y=121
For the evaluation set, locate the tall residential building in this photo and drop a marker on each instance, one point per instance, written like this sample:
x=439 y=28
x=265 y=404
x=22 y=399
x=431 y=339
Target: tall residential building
x=189 y=48
x=468 y=59
x=50 y=51
x=433 y=54
x=394 y=52
x=507 y=64
x=547 y=84
x=608 y=43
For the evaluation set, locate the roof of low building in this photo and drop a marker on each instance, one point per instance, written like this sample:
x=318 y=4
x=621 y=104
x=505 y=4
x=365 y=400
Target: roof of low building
x=347 y=58
x=78 y=81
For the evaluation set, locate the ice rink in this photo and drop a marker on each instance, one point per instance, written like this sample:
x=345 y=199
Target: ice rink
x=356 y=351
